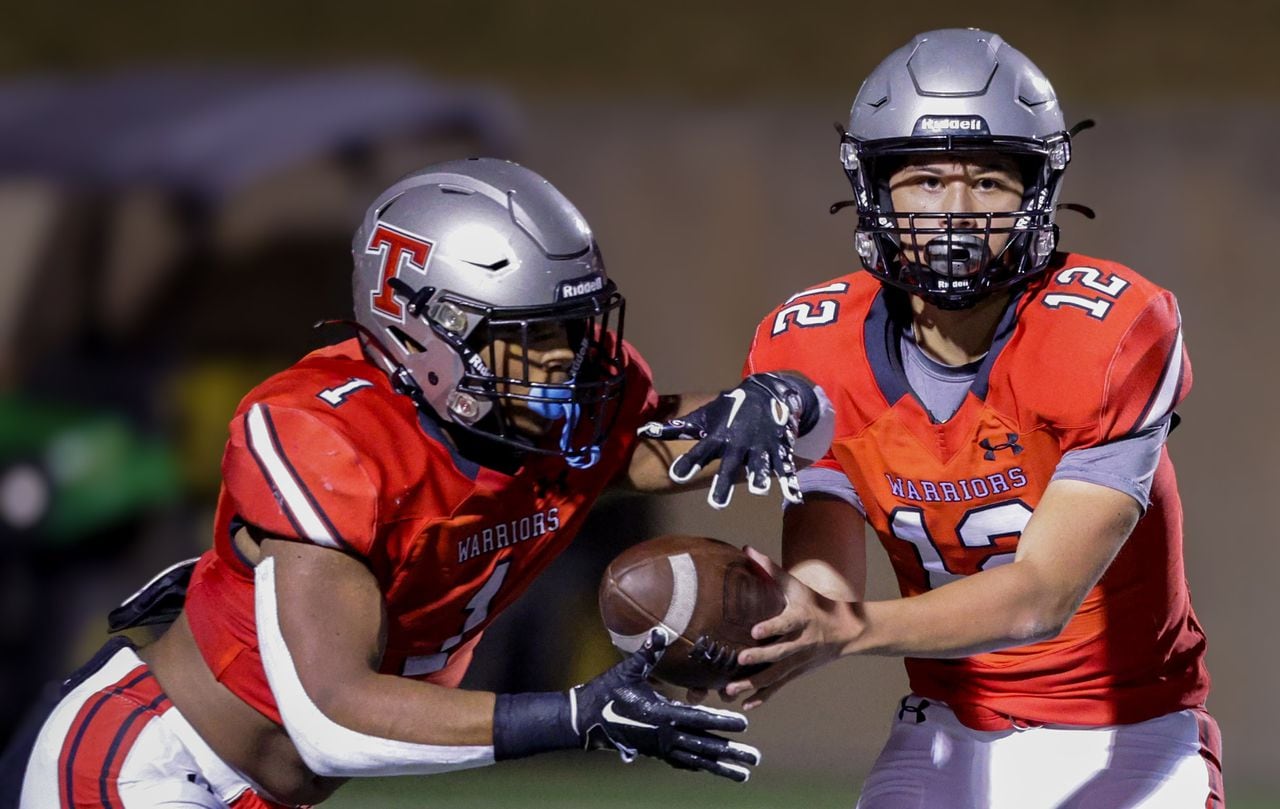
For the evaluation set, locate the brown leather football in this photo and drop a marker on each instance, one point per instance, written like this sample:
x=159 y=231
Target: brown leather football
x=707 y=593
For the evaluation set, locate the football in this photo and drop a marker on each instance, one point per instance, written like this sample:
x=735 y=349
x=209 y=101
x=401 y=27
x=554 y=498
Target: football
x=707 y=593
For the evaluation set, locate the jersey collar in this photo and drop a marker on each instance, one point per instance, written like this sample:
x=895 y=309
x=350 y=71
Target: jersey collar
x=883 y=332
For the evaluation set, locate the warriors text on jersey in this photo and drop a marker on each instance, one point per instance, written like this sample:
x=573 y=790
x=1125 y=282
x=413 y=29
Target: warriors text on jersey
x=1088 y=353
x=326 y=452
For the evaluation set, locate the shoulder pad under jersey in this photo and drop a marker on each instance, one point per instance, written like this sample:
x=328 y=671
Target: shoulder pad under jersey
x=1104 y=347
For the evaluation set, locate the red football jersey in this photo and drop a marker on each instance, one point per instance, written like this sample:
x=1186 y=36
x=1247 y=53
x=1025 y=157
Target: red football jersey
x=1088 y=353
x=327 y=452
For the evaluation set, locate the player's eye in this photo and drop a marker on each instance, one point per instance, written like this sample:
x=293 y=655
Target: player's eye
x=993 y=183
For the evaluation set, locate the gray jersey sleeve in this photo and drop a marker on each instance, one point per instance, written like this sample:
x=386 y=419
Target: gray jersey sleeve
x=817 y=479
x=1127 y=465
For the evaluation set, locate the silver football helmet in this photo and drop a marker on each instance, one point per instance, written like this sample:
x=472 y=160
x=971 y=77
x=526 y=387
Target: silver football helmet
x=465 y=267
x=954 y=91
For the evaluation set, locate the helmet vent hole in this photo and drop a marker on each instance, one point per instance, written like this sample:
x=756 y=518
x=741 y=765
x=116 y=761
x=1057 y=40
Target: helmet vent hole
x=406 y=342
x=456 y=189
x=433 y=378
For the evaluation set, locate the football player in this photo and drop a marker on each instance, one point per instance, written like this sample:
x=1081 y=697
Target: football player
x=386 y=497
x=1002 y=409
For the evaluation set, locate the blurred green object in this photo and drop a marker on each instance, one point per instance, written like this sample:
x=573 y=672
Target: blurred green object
x=67 y=473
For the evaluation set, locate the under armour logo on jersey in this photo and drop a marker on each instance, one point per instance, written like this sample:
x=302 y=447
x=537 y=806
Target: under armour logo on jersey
x=1010 y=443
x=905 y=708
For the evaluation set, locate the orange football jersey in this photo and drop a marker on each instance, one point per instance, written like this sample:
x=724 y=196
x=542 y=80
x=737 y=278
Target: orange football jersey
x=327 y=452
x=1088 y=353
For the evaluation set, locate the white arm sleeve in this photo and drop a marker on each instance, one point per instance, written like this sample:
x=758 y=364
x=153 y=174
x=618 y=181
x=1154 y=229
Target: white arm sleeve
x=328 y=748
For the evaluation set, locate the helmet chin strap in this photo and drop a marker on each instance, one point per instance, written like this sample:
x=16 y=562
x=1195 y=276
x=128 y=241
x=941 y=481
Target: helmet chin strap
x=570 y=413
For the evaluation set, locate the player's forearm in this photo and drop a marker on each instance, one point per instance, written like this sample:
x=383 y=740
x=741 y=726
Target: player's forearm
x=996 y=609
x=652 y=458
x=446 y=728
x=344 y=719
x=824 y=546
x=1076 y=531
x=407 y=710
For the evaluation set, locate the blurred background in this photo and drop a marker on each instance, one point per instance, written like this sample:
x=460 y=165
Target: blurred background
x=178 y=185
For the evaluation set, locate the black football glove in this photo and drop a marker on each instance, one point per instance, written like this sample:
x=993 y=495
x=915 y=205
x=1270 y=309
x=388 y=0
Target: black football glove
x=753 y=426
x=620 y=710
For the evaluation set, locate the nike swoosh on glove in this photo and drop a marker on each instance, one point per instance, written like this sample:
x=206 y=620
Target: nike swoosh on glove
x=621 y=711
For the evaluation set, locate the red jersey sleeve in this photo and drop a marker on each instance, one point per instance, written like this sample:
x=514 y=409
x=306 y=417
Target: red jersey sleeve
x=1098 y=354
x=294 y=475
x=640 y=397
x=1149 y=374
x=803 y=334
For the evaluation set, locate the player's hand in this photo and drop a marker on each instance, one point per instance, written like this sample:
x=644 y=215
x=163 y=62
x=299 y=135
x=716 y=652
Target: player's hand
x=619 y=710
x=810 y=631
x=752 y=427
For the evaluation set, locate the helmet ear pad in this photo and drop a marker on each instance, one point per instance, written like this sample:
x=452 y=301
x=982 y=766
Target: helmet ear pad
x=438 y=369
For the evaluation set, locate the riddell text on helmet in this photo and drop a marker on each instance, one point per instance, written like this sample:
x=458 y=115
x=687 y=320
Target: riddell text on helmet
x=967 y=124
x=574 y=289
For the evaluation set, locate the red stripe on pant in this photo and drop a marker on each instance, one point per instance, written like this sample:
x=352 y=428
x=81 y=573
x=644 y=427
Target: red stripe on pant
x=1211 y=752
x=104 y=730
